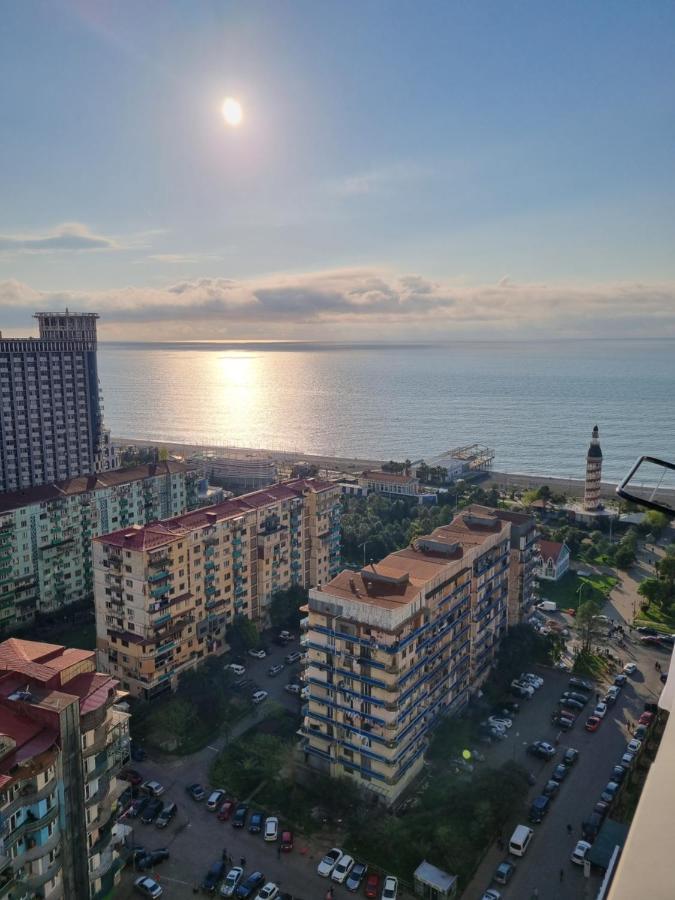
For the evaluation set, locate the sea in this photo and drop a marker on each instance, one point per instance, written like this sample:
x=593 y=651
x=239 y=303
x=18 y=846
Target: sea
x=535 y=403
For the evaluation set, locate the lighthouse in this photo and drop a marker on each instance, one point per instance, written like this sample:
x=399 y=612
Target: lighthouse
x=593 y=474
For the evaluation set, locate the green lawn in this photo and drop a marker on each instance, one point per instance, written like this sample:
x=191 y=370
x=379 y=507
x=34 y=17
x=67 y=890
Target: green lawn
x=657 y=618
x=566 y=591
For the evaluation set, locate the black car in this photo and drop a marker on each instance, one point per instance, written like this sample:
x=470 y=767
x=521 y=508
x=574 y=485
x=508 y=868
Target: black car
x=136 y=854
x=152 y=858
x=618 y=774
x=356 y=876
x=569 y=703
x=570 y=756
x=250 y=886
x=591 y=826
x=137 y=808
x=644 y=629
x=196 y=791
x=565 y=723
x=551 y=788
x=213 y=877
x=150 y=812
x=239 y=817
x=167 y=813
x=581 y=683
x=539 y=808
x=559 y=773
x=575 y=695
x=255 y=823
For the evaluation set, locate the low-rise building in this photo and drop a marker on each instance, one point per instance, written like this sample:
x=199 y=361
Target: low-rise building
x=390 y=484
x=397 y=645
x=553 y=560
x=165 y=593
x=62 y=743
x=46 y=531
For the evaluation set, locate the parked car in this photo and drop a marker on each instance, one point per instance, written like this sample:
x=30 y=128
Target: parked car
x=640 y=732
x=539 y=808
x=575 y=695
x=232 y=879
x=213 y=877
x=591 y=826
x=247 y=888
x=239 y=817
x=274 y=670
x=293 y=657
x=491 y=894
x=646 y=718
x=565 y=722
x=255 y=823
x=226 y=809
x=304 y=693
x=196 y=791
x=154 y=788
x=342 y=869
x=504 y=872
x=498 y=720
x=259 y=697
x=166 y=814
x=152 y=858
x=257 y=654
x=293 y=688
x=551 y=788
x=579 y=853
x=601 y=808
x=612 y=694
x=148 y=887
x=645 y=629
x=630 y=668
x=390 y=888
x=356 y=876
x=633 y=746
x=620 y=679
x=137 y=808
x=214 y=800
x=592 y=723
x=610 y=792
x=329 y=861
x=236 y=669
x=576 y=682
x=136 y=752
x=569 y=703
x=372 y=886
x=132 y=776
x=529 y=678
x=271 y=828
x=268 y=891
x=600 y=710
x=627 y=759
x=560 y=773
x=520 y=692
x=286 y=842
x=570 y=756
x=152 y=810
x=618 y=773
x=542 y=749
x=525 y=688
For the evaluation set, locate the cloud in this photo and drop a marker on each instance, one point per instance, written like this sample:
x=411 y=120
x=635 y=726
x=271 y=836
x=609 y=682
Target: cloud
x=377 y=180
x=69 y=237
x=181 y=258
x=361 y=304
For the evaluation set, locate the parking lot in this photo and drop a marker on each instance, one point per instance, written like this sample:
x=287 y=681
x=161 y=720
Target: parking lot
x=546 y=866
x=196 y=838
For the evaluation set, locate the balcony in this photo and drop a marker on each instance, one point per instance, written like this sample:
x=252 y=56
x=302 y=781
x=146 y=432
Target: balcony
x=159 y=576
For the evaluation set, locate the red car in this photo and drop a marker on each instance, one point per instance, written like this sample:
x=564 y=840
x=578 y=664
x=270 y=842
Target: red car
x=646 y=718
x=225 y=810
x=132 y=776
x=593 y=723
x=287 y=841
x=373 y=886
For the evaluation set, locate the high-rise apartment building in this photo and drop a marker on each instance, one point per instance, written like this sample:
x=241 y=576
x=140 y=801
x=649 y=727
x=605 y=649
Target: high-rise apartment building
x=165 y=593
x=62 y=743
x=51 y=418
x=46 y=532
x=400 y=643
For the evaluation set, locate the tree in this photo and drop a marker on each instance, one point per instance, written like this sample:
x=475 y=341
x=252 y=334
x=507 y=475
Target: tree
x=666 y=570
x=285 y=606
x=586 y=623
x=529 y=497
x=242 y=634
x=655 y=522
x=624 y=556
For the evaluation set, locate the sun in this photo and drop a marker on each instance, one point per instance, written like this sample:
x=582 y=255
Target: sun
x=232 y=111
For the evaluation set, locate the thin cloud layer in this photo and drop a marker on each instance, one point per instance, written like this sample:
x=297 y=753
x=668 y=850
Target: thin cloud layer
x=362 y=304
x=70 y=236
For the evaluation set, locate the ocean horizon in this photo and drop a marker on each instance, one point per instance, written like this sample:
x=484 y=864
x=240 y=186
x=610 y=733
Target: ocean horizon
x=533 y=402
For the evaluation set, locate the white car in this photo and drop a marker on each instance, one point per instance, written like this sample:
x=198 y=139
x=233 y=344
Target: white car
x=535 y=680
x=268 y=891
x=491 y=894
x=236 y=669
x=292 y=688
x=257 y=654
x=390 y=888
x=328 y=863
x=629 y=668
x=579 y=853
x=524 y=686
x=304 y=693
x=154 y=788
x=271 y=828
x=342 y=869
x=232 y=879
x=259 y=696
x=634 y=746
x=148 y=887
x=600 y=710
x=500 y=720
x=214 y=800
x=627 y=759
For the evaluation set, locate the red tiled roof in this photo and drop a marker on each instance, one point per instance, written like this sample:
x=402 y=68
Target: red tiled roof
x=68 y=658
x=390 y=477
x=93 y=689
x=550 y=550
x=160 y=533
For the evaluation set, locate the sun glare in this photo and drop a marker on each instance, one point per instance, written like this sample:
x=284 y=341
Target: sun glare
x=232 y=111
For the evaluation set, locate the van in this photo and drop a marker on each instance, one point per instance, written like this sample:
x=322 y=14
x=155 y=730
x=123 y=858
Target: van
x=520 y=840
x=547 y=606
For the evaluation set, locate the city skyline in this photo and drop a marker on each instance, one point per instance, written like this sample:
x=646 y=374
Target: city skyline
x=475 y=171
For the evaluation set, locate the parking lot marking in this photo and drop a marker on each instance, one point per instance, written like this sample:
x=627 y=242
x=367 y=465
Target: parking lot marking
x=173 y=880
x=215 y=749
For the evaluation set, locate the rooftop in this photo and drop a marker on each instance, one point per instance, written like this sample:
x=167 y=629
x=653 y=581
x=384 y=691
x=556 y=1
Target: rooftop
x=148 y=537
x=550 y=549
x=86 y=483
x=389 y=477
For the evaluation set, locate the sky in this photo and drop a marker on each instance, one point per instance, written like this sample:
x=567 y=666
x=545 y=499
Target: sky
x=403 y=170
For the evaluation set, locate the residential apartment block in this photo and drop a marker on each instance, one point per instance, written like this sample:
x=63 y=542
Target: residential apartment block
x=51 y=416
x=165 y=593
x=400 y=643
x=62 y=743
x=46 y=532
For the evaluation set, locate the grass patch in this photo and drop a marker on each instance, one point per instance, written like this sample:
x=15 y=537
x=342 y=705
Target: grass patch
x=592 y=665
x=565 y=593
x=655 y=617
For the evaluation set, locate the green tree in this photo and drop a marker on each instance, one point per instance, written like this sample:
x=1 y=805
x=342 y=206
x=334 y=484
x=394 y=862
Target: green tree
x=285 y=606
x=666 y=570
x=655 y=522
x=242 y=634
x=586 y=623
x=624 y=556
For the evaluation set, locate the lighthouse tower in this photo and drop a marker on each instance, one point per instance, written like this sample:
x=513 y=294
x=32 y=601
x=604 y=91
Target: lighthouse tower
x=593 y=474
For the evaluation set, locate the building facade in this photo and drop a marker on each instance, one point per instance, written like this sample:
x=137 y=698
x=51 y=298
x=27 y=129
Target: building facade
x=165 y=593
x=524 y=560
x=553 y=560
x=592 y=500
x=51 y=418
x=390 y=484
x=46 y=532
x=239 y=474
x=63 y=742
x=397 y=645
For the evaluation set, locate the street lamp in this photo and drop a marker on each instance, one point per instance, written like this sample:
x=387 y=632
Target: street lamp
x=364 y=545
